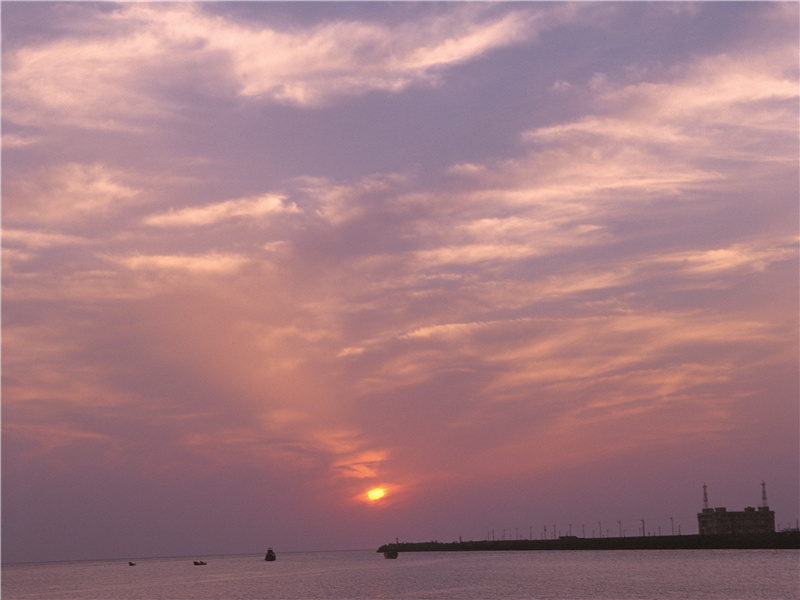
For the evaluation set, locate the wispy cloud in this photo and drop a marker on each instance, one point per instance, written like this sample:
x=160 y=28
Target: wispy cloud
x=737 y=257
x=67 y=193
x=209 y=263
x=120 y=77
x=312 y=66
x=746 y=100
x=222 y=211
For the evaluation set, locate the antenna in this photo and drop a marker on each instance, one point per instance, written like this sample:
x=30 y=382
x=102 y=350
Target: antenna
x=764 y=495
x=705 y=497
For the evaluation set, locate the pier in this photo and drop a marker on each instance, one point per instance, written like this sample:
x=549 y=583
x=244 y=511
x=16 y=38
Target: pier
x=777 y=540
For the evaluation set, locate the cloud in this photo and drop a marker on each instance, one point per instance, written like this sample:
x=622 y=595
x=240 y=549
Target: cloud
x=80 y=82
x=210 y=263
x=344 y=58
x=746 y=100
x=124 y=75
x=737 y=257
x=662 y=145
x=223 y=211
x=67 y=194
x=11 y=140
x=526 y=235
x=39 y=239
x=337 y=203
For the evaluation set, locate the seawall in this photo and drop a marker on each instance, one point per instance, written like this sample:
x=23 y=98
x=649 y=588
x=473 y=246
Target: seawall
x=778 y=540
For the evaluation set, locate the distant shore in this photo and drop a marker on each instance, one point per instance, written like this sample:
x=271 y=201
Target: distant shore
x=778 y=540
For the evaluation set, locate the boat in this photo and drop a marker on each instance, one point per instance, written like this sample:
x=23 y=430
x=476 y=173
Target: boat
x=390 y=554
x=270 y=555
x=199 y=563
x=131 y=564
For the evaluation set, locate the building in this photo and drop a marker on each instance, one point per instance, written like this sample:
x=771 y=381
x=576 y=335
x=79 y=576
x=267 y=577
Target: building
x=750 y=520
x=712 y=521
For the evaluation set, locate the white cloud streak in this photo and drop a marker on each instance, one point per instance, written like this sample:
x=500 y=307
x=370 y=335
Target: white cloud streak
x=108 y=81
x=211 y=263
x=211 y=214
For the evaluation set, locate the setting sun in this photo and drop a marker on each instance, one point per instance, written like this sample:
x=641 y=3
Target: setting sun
x=376 y=493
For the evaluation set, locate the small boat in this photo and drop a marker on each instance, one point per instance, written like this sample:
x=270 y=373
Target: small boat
x=199 y=563
x=131 y=564
x=390 y=554
x=270 y=555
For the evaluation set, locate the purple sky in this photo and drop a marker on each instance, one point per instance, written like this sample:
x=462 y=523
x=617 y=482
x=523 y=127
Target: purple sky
x=517 y=264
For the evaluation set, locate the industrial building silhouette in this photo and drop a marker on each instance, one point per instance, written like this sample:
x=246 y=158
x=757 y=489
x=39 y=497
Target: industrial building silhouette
x=713 y=521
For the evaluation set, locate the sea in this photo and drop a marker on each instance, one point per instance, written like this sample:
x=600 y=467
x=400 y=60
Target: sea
x=366 y=574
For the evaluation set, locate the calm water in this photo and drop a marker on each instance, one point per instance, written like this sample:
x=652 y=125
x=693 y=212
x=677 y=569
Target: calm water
x=612 y=575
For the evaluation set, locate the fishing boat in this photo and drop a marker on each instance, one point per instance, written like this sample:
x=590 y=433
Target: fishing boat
x=199 y=563
x=270 y=555
x=390 y=554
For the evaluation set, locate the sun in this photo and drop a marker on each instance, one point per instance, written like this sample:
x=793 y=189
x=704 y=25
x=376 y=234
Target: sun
x=376 y=494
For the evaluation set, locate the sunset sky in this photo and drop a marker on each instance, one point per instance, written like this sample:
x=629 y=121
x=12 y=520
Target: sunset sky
x=514 y=264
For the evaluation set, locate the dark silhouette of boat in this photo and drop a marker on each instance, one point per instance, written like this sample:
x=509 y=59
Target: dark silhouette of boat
x=131 y=564
x=270 y=555
x=390 y=554
x=199 y=563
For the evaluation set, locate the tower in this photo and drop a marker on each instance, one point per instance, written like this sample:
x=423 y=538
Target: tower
x=764 y=495
x=705 y=497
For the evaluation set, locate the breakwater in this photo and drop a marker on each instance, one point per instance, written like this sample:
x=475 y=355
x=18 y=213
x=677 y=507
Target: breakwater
x=778 y=540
